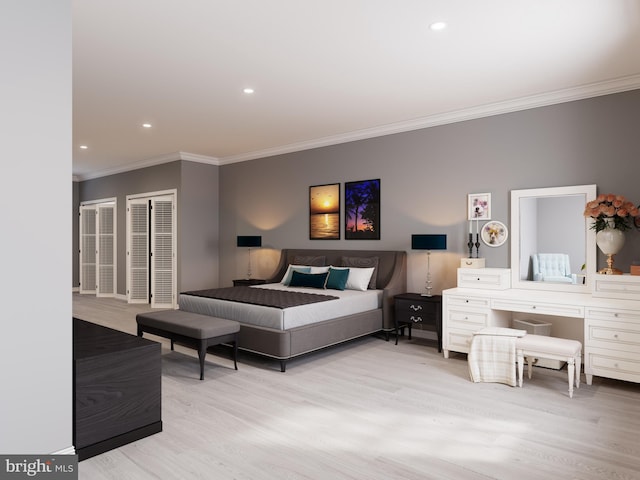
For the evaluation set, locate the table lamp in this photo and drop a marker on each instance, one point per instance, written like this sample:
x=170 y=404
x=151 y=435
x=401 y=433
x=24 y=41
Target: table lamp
x=428 y=243
x=249 y=241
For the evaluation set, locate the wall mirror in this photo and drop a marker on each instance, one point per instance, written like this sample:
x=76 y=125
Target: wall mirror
x=552 y=245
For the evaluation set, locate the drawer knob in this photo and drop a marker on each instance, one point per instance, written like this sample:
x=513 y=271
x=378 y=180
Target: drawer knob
x=415 y=308
x=466 y=301
x=533 y=307
x=615 y=335
x=416 y=319
x=615 y=315
x=478 y=278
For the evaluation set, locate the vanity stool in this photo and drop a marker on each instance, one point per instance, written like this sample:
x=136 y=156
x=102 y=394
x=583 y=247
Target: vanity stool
x=541 y=346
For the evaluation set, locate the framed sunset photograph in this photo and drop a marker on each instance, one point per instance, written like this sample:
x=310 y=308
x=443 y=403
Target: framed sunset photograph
x=362 y=210
x=324 y=212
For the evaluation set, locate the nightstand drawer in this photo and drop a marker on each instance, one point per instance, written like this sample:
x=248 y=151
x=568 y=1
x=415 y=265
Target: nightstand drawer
x=408 y=308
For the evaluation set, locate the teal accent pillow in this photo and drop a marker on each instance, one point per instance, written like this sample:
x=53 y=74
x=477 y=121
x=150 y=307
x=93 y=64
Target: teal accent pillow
x=337 y=278
x=298 y=268
x=312 y=280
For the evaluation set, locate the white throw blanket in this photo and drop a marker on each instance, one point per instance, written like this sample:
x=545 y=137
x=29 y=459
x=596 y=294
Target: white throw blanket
x=492 y=355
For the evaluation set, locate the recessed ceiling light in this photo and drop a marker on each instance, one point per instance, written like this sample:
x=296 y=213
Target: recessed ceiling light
x=438 y=26
x=248 y=91
x=146 y=125
x=83 y=147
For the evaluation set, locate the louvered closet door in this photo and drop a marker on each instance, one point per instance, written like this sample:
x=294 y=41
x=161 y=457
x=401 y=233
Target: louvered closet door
x=88 y=249
x=106 y=254
x=163 y=276
x=138 y=251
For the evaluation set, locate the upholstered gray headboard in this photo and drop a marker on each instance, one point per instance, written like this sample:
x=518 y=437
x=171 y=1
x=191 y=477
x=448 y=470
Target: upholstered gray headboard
x=391 y=272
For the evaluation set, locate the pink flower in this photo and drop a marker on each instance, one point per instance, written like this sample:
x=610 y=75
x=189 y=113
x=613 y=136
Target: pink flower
x=609 y=206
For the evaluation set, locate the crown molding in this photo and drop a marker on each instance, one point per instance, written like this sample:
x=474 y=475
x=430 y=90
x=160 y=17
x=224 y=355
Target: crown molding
x=524 y=103
x=606 y=87
x=150 y=162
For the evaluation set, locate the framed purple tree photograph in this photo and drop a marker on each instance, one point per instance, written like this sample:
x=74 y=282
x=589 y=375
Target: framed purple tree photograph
x=362 y=210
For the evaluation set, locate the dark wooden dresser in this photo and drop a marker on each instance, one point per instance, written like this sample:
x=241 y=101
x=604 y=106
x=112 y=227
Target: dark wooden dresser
x=117 y=388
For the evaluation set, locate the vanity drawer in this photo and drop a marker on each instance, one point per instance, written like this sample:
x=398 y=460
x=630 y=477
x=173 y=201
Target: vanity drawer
x=619 y=336
x=543 y=308
x=468 y=301
x=631 y=316
x=486 y=278
x=619 y=365
x=467 y=320
x=458 y=340
x=617 y=286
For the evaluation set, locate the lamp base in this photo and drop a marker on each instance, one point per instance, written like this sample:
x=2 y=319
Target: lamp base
x=426 y=295
x=610 y=269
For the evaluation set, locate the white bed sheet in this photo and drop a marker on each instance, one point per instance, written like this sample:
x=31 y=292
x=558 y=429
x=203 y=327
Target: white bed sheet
x=348 y=303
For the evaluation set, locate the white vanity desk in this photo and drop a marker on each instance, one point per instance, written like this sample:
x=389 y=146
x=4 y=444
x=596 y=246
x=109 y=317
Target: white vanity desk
x=610 y=315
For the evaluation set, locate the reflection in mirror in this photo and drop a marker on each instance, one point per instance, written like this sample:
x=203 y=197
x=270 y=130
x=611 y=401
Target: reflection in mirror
x=552 y=247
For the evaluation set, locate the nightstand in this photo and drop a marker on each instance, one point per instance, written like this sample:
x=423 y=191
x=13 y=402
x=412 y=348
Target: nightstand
x=413 y=308
x=248 y=281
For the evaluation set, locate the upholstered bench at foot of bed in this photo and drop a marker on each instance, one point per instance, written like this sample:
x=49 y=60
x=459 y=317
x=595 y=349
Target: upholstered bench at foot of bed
x=192 y=329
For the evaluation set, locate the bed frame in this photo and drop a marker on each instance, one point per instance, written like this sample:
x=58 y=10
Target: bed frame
x=286 y=344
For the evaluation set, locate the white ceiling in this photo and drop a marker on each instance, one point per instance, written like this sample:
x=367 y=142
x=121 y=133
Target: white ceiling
x=325 y=71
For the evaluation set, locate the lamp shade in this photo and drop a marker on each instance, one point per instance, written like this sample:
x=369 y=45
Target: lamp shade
x=429 y=242
x=249 y=241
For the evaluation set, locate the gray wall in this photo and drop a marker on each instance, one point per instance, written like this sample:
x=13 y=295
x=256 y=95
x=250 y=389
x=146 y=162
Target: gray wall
x=36 y=355
x=426 y=176
x=197 y=200
x=198 y=213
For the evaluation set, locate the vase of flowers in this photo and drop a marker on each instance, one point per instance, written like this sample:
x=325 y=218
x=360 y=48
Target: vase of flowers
x=611 y=214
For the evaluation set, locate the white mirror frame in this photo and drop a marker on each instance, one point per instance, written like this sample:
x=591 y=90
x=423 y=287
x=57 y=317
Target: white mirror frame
x=589 y=192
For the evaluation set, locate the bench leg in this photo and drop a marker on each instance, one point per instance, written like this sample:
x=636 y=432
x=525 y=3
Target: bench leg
x=283 y=365
x=202 y=352
x=235 y=352
x=571 y=369
x=172 y=344
x=578 y=362
x=530 y=362
x=520 y=368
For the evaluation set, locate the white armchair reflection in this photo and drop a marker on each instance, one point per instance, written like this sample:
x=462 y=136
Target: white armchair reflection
x=552 y=267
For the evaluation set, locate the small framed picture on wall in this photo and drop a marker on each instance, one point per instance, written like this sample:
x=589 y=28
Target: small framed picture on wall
x=362 y=210
x=479 y=206
x=324 y=212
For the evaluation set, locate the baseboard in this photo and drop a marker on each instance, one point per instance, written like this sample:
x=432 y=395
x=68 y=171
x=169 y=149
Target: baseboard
x=66 y=451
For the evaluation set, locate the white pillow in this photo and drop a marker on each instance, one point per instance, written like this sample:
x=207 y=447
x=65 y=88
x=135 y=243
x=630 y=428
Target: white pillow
x=358 y=277
x=319 y=269
x=286 y=279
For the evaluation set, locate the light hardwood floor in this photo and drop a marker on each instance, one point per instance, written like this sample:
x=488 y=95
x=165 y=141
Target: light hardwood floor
x=369 y=410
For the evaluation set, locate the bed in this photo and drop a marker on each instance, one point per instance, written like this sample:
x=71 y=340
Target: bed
x=284 y=332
